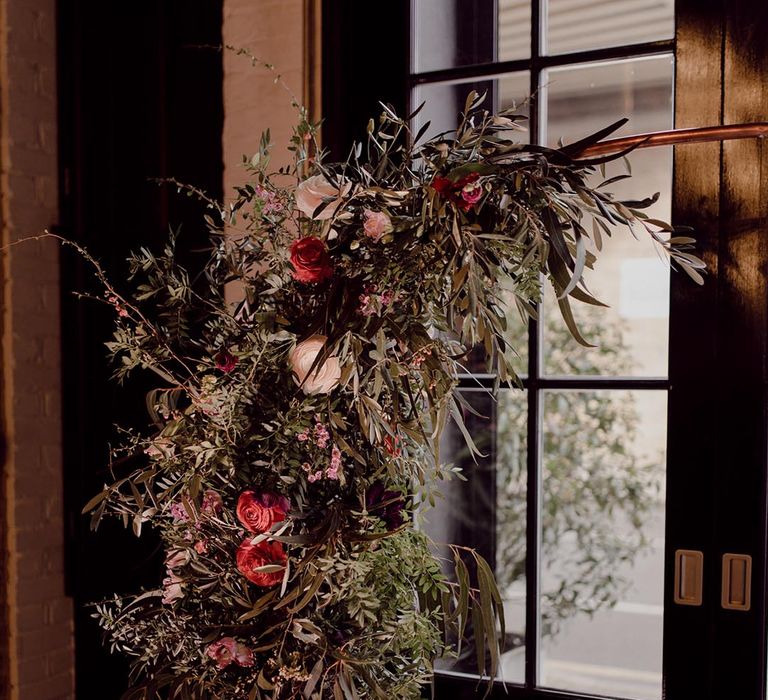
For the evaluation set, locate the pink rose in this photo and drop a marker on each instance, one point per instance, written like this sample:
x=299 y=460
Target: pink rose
x=172 y=588
x=212 y=503
x=472 y=192
x=377 y=223
x=226 y=650
x=325 y=376
x=315 y=190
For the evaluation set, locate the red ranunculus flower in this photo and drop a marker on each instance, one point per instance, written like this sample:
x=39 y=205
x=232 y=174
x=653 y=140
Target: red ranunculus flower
x=259 y=512
x=254 y=556
x=310 y=260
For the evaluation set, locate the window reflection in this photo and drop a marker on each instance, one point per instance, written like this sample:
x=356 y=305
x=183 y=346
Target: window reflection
x=602 y=550
x=452 y=33
x=580 y=25
x=630 y=276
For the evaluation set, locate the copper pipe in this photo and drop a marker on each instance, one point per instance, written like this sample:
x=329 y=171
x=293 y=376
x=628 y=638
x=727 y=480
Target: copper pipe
x=676 y=136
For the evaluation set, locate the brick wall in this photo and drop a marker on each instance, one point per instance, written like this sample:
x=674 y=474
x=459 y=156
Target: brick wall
x=39 y=615
x=273 y=30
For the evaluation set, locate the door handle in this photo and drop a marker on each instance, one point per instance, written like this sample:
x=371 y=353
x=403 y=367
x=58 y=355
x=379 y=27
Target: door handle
x=689 y=576
x=736 y=592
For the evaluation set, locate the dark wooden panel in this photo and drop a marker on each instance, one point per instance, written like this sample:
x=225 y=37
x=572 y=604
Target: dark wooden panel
x=718 y=446
x=742 y=395
x=692 y=431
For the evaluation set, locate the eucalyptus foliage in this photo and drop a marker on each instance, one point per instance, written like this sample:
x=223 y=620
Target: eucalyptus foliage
x=414 y=261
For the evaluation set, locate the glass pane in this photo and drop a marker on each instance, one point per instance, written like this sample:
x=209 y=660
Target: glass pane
x=511 y=520
x=580 y=25
x=631 y=337
x=488 y=511
x=602 y=552
x=451 y=33
x=445 y=101
x=514 y=29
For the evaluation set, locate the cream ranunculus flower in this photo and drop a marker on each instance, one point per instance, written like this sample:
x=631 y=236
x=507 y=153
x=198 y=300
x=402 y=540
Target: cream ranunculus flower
x=313 y=191
x=325 y=377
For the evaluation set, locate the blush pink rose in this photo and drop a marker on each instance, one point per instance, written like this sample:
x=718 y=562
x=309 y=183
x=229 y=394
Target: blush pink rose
x=173 y=588
x=376 y=224
x=325 y=376
x=227 y=650
x=313 y=191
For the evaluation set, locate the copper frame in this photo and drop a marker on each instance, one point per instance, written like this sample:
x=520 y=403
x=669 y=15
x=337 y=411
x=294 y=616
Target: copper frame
x=675 y=137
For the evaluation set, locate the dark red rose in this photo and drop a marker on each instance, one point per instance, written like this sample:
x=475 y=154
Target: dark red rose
x=384 y=504
x=259 y=512
x=253 y=556
x=442 y=185
x=464 y=192
x=225 y=361
x=310 y=260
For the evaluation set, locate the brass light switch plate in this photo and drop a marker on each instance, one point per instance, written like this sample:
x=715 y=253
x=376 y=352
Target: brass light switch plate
x=737 y=582
x=689 y=576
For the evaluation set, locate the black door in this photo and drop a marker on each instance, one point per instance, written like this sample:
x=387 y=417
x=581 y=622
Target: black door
x=140 y=99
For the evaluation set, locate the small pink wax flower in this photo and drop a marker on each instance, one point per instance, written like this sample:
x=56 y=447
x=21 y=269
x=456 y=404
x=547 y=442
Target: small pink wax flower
x=376 y=224
x=179 y=512
x=269 y=200
x=201 y=546
x=321 y=436
x=227 y=650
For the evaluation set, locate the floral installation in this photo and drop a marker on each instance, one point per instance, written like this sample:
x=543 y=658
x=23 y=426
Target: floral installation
x=297 y=431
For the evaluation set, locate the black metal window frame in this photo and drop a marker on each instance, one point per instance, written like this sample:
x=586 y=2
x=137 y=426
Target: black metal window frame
x=717 y=446
x=535 y=383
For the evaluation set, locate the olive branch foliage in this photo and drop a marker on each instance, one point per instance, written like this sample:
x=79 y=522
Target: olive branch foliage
x=362 y=609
